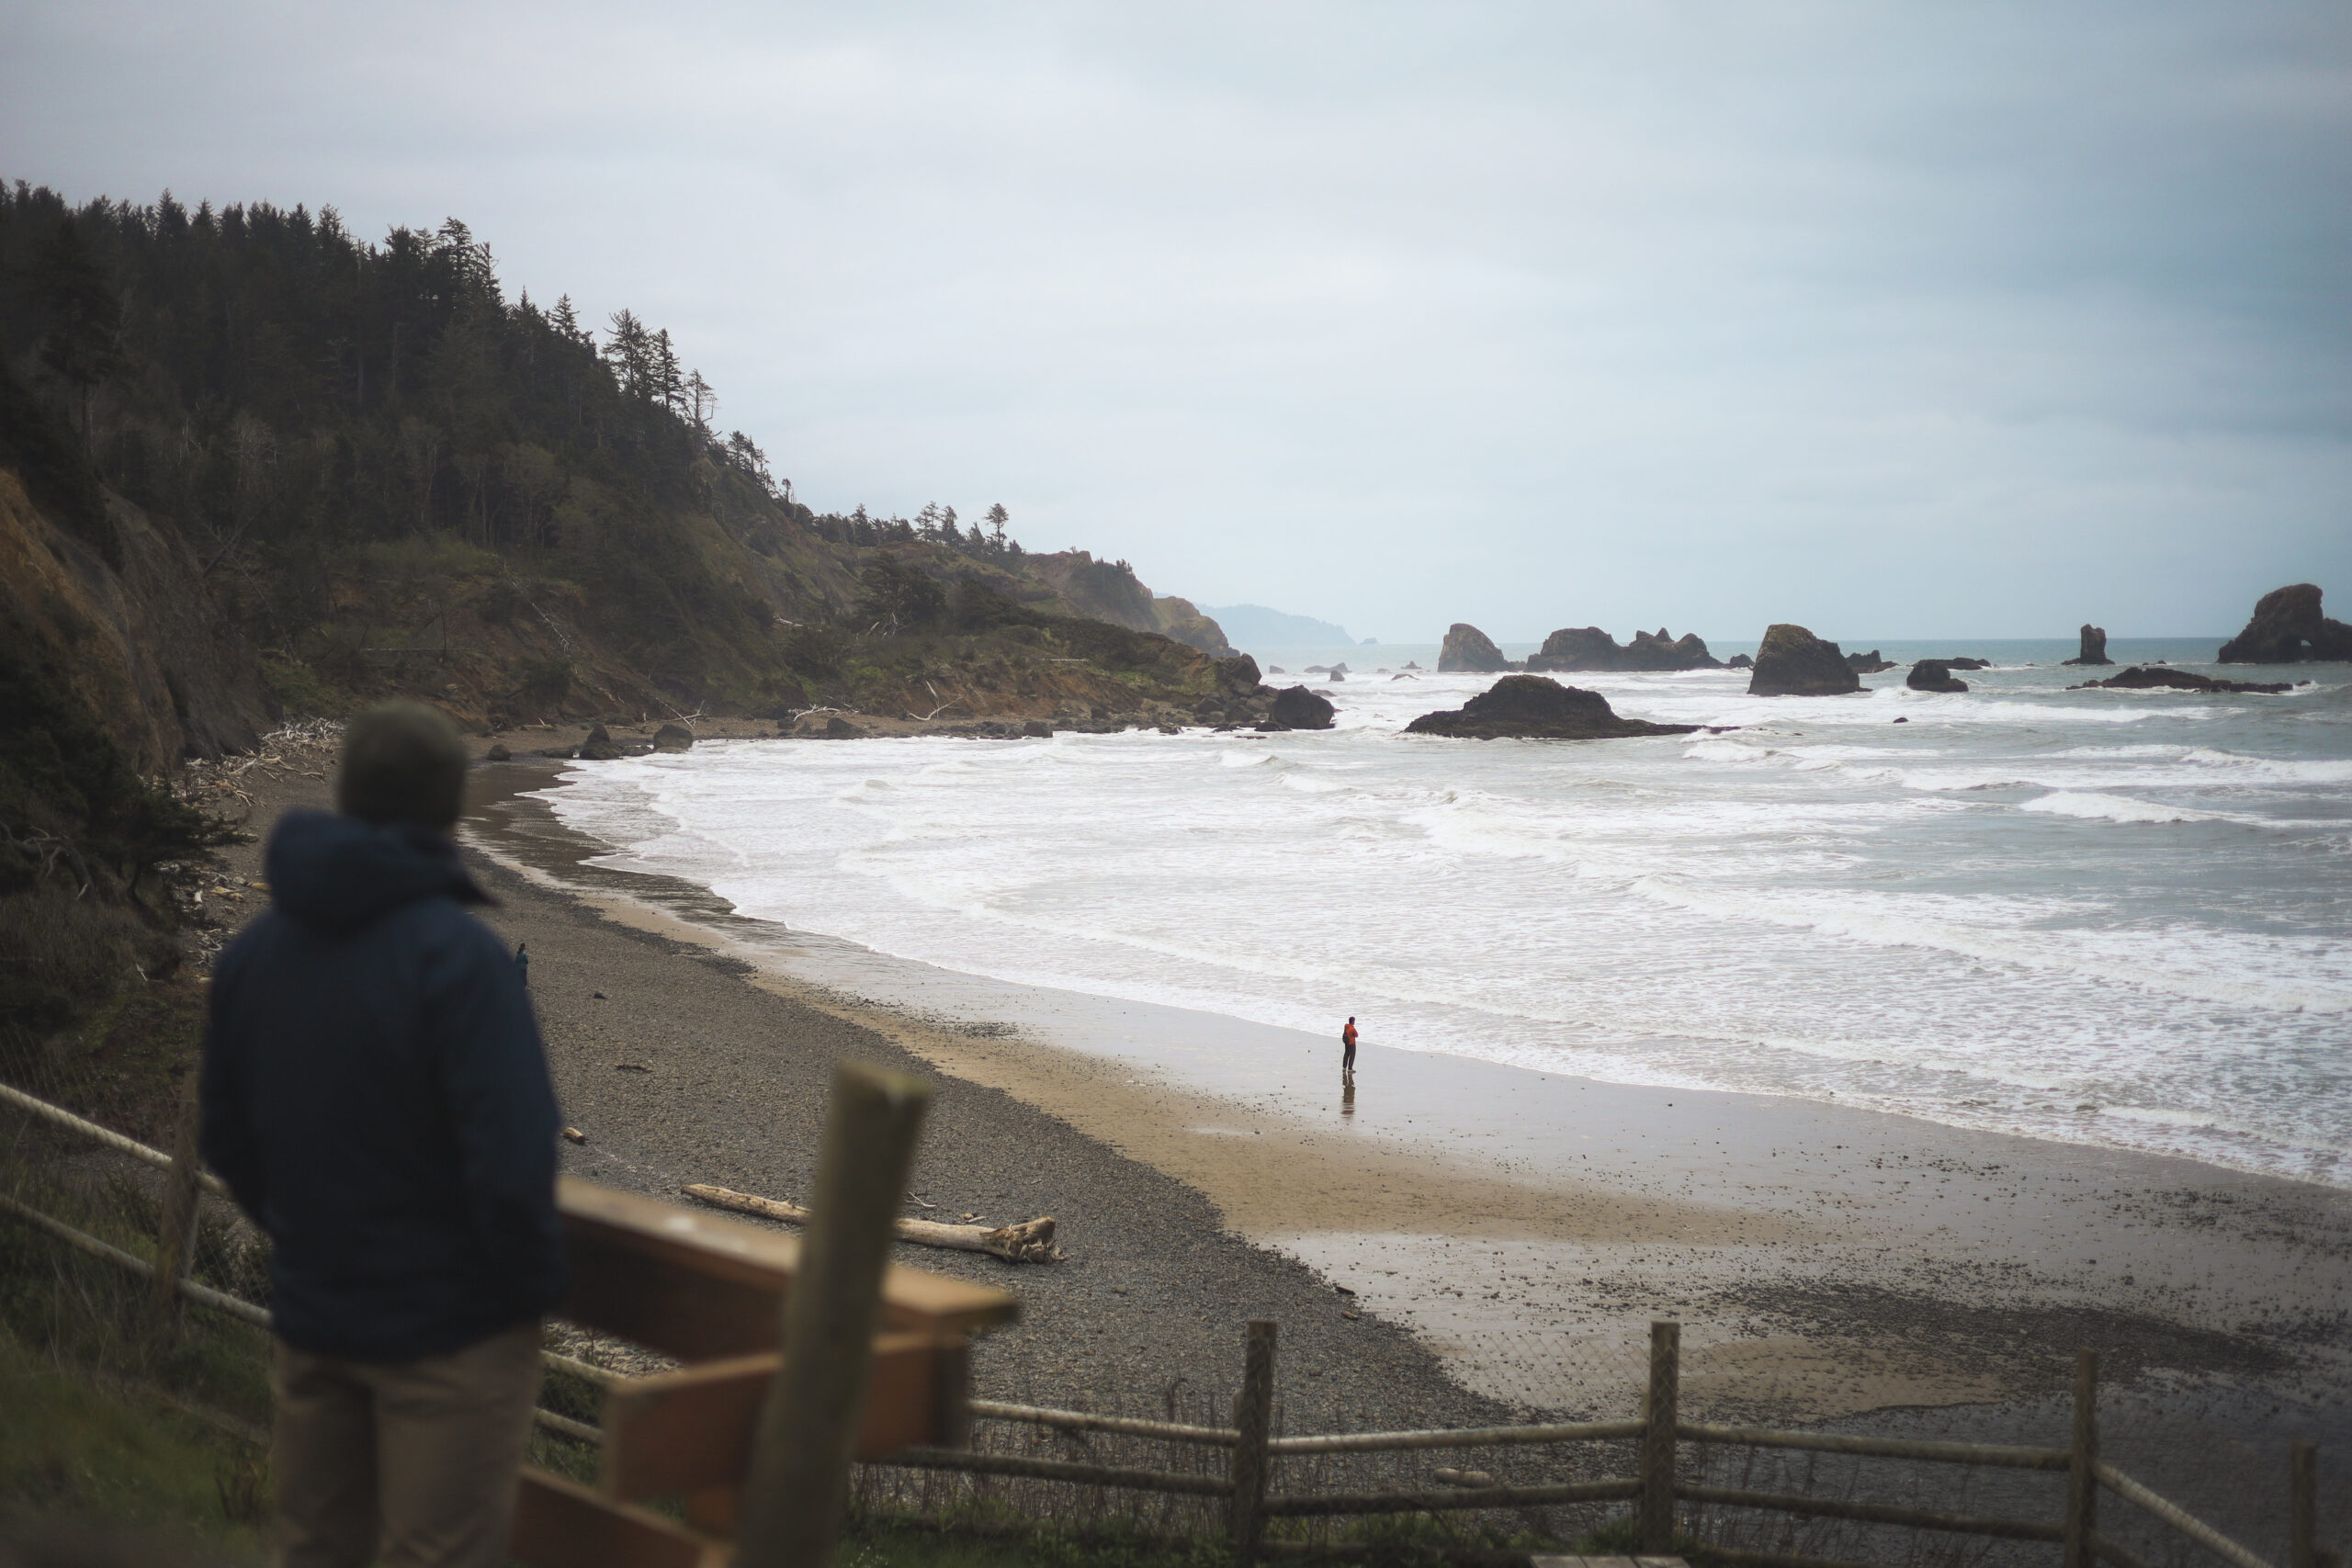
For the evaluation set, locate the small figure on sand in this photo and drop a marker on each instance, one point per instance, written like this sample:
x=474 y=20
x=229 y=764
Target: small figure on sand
x=1347 y=1052
x=523 y=961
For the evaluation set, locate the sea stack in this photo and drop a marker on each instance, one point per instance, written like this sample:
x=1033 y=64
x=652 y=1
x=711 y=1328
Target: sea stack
x=1468 y=649
x=1869 y=663
x=2287 y=628
x=2094 y=646
x=1537 y=707
x=1933 y=675
x=1589 y=647
x=1792 y=662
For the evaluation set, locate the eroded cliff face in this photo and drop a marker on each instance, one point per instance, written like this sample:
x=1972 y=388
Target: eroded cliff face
x=144 y=645
x=1110 y=590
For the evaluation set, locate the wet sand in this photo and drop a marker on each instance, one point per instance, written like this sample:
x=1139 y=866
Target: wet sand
x=1507 y=1236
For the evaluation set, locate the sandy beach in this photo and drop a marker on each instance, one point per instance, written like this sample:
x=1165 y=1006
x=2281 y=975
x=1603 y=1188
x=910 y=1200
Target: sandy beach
x=1462 y=1241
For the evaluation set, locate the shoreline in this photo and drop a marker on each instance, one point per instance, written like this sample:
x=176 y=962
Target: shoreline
x=1526 y=1225
x=1856 y=1271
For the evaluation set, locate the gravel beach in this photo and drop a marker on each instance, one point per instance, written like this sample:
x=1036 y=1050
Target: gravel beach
x=1832 y=1268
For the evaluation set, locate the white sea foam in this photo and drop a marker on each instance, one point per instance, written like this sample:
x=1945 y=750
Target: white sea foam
x=1982 y=916
x=2118 y=809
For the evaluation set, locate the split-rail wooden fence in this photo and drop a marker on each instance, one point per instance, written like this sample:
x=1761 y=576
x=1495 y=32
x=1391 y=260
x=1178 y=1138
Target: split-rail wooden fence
x=803 y=1355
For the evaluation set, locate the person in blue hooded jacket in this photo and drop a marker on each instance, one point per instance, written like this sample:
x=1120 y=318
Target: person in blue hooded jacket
x=376 y=1097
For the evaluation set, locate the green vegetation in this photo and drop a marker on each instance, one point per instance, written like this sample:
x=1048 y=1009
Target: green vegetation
x=395 y=480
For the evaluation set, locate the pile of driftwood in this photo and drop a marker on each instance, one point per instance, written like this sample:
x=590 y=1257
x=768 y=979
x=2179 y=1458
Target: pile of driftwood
x=1030 y=1242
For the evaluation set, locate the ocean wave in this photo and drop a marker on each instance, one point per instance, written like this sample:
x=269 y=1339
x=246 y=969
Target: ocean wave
x=2122 y=808
x=1859 y=918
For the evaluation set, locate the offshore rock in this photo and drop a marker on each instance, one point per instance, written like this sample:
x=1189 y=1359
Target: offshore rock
x=674 y=737
x=1970 y=663
x=1295 y=707
x=600 y=746
x=2140 y=679
x=1537 y=707
x=1933 y=675
x=1868 y=663
x=2287 y=628
x=2094 y=646
x=1740 y=661
x=1466 y=648
x=1792 y=662
x=1589 y=647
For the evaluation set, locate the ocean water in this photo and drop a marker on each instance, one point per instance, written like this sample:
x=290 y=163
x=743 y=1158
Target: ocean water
x=2116 y=918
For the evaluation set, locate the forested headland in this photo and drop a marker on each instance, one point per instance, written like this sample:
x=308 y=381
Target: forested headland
x=254 y=466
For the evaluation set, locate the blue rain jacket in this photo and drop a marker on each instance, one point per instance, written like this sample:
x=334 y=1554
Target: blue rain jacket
x=376 y=1097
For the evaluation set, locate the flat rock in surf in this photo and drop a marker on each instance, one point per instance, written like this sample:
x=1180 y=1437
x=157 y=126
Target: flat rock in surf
x=1537 y=707
x=2139 y=678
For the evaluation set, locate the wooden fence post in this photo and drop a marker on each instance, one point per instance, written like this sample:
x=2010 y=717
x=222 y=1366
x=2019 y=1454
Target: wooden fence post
x=2082 y=1481
x=2302 y=1506
x=1253 y=1420
x=1657 y=1439
x=176 y=1236
x=798 y=1485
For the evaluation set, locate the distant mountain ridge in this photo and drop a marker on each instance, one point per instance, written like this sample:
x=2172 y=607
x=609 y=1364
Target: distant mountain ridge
x=1247 y=624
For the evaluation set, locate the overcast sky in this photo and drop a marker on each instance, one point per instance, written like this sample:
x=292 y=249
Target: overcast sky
x=1894 y=320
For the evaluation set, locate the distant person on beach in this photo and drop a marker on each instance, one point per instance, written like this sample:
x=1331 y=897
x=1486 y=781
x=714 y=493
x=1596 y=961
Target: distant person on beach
x=523 y=961
x=376 y=1098
x=1347 y=1050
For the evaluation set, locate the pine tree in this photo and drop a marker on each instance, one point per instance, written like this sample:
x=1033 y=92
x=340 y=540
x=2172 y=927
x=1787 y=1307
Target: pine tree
x=84 y=344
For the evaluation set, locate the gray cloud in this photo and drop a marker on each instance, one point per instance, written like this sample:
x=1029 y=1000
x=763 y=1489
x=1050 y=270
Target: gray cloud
x=1892 y=319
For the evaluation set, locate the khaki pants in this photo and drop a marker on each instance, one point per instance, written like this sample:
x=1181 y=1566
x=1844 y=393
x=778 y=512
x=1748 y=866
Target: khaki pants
x=409 y=1463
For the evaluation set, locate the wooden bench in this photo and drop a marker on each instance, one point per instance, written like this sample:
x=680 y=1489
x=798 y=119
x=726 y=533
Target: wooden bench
x=710 y=1292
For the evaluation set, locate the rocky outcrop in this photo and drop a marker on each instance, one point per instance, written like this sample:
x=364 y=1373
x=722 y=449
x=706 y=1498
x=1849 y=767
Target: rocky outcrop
x=2287 y=628
x=2094 y=646
x=600 y=746
x=1933 y=675
x=2141 y=679
x=1869 y=663
x=1537 y=707
x=1590 y=648
x=674 y=737
x=1469 y=650
x=1970 y=663
x=1792 y=662
x=1238 y=676
x=1295 y=707
x=1739 y=662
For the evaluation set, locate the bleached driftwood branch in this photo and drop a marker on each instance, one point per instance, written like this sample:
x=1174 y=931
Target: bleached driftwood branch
x=1031 y=1242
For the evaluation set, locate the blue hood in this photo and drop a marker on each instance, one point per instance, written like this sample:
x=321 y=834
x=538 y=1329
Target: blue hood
x=337 y=875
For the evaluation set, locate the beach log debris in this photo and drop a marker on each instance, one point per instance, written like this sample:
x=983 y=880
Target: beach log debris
x=1031 y=1242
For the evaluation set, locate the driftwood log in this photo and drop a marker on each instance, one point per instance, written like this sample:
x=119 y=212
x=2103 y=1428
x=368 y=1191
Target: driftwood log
x=1031 y=1242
